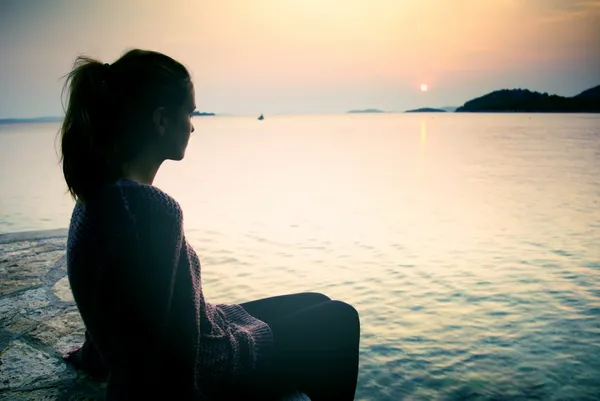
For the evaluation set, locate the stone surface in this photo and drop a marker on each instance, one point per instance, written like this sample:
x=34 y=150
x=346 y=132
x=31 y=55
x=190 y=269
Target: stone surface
x=18 y=325
x=62 y=290
x=39 y=322
x=25 y=366
x=67 y=323
x=25 y=303
x=46 y=394
x=30 y=262
x=61 y=332
x=8 y=285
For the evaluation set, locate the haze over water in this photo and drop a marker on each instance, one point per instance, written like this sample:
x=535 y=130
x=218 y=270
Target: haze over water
x=469 y=243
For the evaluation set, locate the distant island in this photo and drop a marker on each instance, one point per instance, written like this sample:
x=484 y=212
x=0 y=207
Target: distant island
x=202 y=114
x=366 y=111
x=53 y=119
x=49 y=119
x=425 y=110
x=524 y=100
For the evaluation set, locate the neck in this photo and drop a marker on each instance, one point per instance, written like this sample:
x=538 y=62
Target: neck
x=143 y=169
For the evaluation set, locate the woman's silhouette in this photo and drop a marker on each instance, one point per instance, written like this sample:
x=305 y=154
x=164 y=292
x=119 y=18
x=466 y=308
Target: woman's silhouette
x=136 y=280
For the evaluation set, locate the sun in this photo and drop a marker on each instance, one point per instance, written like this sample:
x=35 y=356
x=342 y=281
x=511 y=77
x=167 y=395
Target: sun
x=424 y=87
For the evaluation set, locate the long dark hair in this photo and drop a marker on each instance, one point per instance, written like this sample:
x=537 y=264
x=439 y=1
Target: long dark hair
x=109 y=114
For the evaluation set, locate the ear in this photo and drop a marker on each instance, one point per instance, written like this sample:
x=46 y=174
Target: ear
x=159 y=120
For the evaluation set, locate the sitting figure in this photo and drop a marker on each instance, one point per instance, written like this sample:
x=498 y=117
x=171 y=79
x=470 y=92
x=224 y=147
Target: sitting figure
x=136 y=280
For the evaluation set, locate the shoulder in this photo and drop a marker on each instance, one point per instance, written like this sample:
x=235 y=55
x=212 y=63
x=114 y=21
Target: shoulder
x=143 y=201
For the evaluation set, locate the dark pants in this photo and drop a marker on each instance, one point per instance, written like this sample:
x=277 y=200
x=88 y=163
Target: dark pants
x=316 y=347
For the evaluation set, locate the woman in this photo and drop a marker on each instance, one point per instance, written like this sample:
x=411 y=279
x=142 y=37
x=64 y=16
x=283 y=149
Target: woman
x=136 y=280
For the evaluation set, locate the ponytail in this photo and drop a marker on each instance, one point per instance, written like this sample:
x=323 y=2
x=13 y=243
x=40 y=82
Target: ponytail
x=85 y=123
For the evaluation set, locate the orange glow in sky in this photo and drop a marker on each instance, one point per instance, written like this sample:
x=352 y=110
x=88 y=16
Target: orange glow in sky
x=310 y=55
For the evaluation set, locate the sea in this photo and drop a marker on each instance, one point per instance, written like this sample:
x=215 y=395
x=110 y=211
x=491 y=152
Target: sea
x=469 y=243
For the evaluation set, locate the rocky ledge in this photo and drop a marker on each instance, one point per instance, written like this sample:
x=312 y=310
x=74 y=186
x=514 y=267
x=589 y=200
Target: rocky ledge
x=39 y=322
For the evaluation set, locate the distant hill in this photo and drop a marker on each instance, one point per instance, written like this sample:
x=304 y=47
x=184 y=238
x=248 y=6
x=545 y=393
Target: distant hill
x=366 y=111
x=202 y=114
x=426 y=110
x=524 y=100
x=49 y=119
x=592 y=93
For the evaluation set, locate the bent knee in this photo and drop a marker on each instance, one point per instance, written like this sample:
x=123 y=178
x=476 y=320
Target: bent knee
x=316 y=297
x=345 y=309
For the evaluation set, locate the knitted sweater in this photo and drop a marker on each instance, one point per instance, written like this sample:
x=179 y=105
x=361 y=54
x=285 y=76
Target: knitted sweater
x=137 y=285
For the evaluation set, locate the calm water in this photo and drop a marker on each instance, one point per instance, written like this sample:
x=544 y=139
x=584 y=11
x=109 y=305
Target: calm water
x=470 y=244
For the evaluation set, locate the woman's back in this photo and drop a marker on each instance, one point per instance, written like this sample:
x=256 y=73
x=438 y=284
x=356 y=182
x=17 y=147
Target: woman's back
x=124 y=251
x=137 y=284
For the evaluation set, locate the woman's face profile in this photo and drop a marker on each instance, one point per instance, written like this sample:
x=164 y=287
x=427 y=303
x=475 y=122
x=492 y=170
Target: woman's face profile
x=179 y=127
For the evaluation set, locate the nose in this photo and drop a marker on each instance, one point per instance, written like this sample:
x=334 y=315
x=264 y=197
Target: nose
x=193 y=128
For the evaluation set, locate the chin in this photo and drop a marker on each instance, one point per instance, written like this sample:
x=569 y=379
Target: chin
x=177 y=157
x=177 y=154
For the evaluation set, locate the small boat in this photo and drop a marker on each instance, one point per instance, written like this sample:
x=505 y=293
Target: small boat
x=261 y=117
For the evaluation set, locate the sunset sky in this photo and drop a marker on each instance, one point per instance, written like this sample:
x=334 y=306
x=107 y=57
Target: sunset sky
x=308 y=56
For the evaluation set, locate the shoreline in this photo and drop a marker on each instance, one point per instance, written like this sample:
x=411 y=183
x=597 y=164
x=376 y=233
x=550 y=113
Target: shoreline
x=33 y=235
